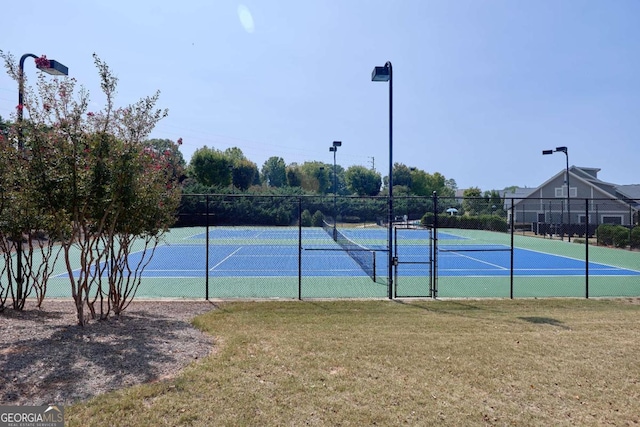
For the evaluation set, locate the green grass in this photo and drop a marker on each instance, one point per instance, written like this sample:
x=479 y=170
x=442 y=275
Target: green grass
x=355 y=363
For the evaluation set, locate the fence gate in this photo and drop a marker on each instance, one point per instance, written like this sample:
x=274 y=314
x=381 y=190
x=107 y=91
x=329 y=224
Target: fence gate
x=414 y=267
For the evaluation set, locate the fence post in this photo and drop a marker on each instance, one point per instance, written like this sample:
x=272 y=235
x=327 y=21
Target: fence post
x=586 y=253
x=630 y=225
x=300 y=247
x=435 y=245
x=511 y=262
x=597 y=224
x=206 y=247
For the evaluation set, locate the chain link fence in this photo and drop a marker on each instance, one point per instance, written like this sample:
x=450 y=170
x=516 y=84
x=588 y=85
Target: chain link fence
x=296 y=247
x=434 y=247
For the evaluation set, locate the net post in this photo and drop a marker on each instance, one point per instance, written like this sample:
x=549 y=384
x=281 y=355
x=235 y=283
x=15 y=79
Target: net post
x=373 y=253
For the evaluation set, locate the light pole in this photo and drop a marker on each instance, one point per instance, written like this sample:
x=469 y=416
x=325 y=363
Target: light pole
x=385 y=74
x=231 y=175
x=49 y=66
x=334 y=149
x=564 y=150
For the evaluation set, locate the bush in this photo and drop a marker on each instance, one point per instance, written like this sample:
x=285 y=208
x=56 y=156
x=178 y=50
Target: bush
x=305 y=218
x=604 y=234
x=635 y=237
x=317 y=219
x=427 y=219
x=620 y=236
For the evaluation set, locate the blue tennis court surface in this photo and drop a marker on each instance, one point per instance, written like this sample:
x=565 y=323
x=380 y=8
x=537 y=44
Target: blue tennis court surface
x=255 y=252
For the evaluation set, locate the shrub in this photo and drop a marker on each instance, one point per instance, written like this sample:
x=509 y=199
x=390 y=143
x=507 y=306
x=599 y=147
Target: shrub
x=635 y=237
x=427 y=219
x=305 y=218
x=620 y=236
x=316 y=219
x=604 y=234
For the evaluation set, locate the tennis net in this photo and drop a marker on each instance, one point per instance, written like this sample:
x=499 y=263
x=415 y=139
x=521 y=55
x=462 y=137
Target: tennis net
x=364 y=257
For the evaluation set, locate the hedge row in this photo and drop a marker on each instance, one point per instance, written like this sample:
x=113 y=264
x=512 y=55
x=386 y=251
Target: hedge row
x=618 y=236
x=479 y=222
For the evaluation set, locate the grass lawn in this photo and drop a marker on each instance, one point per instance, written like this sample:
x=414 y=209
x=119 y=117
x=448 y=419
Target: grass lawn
x=359 y=363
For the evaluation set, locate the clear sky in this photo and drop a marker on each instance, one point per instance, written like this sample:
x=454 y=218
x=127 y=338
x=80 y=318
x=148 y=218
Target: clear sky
x=480 y=87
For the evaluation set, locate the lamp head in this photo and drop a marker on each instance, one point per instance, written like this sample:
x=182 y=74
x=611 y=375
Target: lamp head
x=380 y=74
x=52 y=67
x=337 y=143
x=544 y=152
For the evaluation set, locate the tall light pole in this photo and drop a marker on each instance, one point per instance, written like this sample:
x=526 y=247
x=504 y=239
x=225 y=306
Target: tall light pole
x=564 y=150
x=49 y=66
x=231 y=175
x=334 y=149
x=385 y=74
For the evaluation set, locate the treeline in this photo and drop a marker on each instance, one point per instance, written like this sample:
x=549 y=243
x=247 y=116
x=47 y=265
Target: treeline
x=214 y=171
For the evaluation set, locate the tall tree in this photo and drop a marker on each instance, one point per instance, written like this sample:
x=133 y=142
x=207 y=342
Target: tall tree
x=315 y=176
x=234 y=154
x=494 y=202
x=244 y=172
x=294 y=176
x=210 y=167
x=472 y=201
x=401 y=175
x=363 y=181
x=274 y=172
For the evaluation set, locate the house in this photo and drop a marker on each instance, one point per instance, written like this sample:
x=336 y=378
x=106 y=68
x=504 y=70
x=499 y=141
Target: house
x=589 y=198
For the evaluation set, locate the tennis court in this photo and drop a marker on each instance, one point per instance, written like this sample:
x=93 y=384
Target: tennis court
x=291 y=262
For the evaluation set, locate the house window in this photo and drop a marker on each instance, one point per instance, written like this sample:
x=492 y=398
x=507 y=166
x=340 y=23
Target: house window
x=612 y=219
x=562 y=192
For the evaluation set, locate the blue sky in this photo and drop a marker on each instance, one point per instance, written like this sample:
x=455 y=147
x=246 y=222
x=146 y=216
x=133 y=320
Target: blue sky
x=480 y=87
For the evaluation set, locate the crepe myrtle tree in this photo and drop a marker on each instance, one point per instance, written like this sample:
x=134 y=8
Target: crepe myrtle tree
x=22 y=225
x=24 y=222
x=100 y=185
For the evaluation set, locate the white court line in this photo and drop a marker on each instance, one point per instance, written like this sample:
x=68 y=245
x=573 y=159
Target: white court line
x=225 y=258
x=483 y=262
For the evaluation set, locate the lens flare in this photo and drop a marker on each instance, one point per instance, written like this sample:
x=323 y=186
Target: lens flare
x=246 y=20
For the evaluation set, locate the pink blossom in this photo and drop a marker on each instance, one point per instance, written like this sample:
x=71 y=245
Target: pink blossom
x=179 y=141
x=90 y=114
x=20 y=107
x=43 y=62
